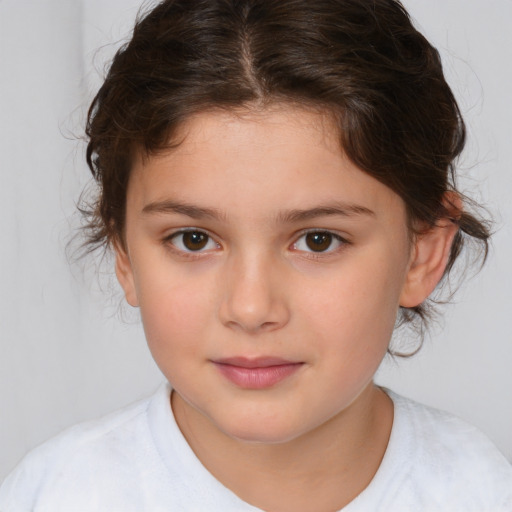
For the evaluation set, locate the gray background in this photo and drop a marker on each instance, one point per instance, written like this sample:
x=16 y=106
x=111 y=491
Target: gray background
x=70 y=351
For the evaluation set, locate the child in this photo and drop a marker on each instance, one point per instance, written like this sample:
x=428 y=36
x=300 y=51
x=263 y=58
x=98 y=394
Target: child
x=276 y=180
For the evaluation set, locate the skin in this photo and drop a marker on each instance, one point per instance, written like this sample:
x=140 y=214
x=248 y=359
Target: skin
x=314 y=440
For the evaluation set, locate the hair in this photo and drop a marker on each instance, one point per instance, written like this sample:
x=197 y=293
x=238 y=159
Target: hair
x=360 y=61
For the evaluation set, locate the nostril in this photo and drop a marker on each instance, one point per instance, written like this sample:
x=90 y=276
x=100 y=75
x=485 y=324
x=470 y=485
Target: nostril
x=254 y=316
x=252 y=297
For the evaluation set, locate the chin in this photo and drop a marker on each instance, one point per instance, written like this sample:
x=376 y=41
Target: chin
x=259 y=431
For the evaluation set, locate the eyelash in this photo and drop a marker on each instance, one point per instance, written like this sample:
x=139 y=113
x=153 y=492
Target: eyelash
x=168 y=241
x=335 y=238
x=343 y=242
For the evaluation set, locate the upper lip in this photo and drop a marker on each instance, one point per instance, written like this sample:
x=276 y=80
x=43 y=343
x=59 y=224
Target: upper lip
x=254 y=362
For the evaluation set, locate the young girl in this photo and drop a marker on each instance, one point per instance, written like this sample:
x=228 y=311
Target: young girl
x=276 y=180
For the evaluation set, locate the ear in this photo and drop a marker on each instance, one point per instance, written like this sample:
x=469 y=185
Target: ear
x=430 y=255
x=124 y=275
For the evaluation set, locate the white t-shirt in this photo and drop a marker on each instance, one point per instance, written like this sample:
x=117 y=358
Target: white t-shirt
x=138 y=460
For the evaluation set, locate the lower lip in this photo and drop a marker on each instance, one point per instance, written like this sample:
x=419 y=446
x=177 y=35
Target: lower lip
x=257 y=378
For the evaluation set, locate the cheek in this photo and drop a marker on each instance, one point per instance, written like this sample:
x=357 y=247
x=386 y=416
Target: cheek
x=355 y=307
x=174 y=314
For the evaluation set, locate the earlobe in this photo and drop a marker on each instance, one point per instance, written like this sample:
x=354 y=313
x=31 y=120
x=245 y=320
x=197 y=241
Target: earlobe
x=124 y=275
x=428 y=262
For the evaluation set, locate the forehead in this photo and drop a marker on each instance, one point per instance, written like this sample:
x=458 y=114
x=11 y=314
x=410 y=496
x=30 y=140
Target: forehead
x=219 y=132
x=258 y=160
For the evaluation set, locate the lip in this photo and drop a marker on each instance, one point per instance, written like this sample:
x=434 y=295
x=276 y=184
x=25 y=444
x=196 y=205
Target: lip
x=256 y=373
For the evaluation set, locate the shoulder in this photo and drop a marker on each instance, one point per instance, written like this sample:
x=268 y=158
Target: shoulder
x=132 y=460
x=449 y=458
x=441 y=436
x=75 y=454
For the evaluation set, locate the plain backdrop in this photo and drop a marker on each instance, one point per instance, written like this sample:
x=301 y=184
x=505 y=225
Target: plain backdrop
x=70 y=351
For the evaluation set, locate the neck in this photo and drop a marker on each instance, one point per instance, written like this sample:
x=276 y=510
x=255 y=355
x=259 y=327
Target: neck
x=324 y=469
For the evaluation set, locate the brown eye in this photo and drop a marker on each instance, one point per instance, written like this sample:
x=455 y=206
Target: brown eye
x=319 y=242
x=192 y=241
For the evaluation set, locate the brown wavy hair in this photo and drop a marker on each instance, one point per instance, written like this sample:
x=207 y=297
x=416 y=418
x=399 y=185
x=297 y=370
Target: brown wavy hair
x=361 y=61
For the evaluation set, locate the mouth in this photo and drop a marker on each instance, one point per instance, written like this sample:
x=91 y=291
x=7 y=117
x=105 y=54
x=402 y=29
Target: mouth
x=258 y=373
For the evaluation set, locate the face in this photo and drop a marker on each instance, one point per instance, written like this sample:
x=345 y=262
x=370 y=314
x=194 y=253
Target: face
x=268 y=270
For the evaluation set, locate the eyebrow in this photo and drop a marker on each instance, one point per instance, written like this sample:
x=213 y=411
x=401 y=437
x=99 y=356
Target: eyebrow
x=289 y=216
x=190 y=210
x=337 y=209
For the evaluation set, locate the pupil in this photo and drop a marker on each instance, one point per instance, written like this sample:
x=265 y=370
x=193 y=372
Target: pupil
x=194 y=241
x=318 y=242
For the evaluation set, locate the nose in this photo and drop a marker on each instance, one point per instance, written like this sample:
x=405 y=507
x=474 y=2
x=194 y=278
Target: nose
x=254 y=298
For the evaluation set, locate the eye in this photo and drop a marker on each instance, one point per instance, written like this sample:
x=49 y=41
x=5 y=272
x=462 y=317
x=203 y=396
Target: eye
x=319 y=241
x=192 y=241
